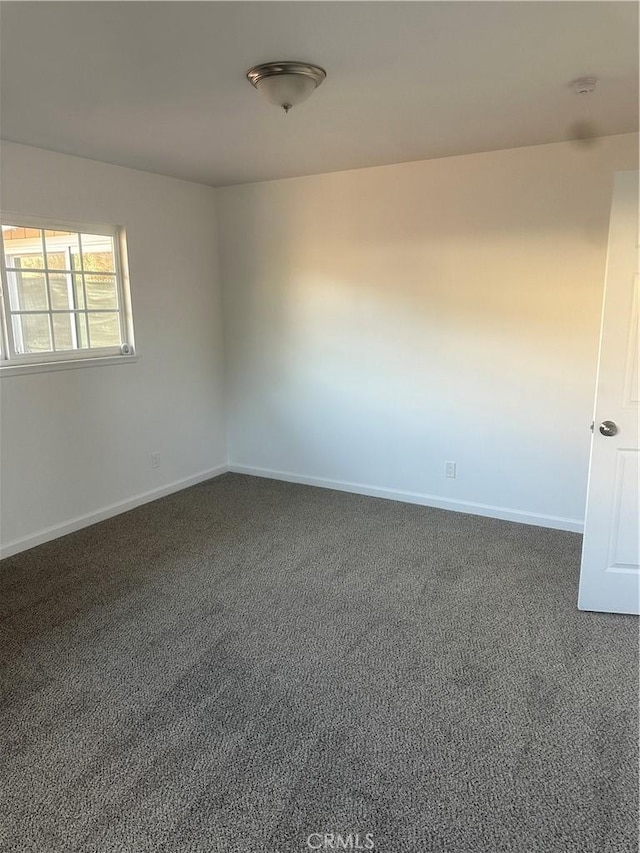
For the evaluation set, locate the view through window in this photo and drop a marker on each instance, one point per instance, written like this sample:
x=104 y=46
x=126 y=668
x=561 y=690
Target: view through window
x=62 y=293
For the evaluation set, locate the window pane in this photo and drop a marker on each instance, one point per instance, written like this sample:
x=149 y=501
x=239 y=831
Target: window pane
x=60 y=246
x=78 y=291
x=22 y=247
x=64 y=331
x=104 y=330
x=101 y=291
x=97 y=253
x=27 y=291
x=57 y=261
x=29 y=260
x=17 y=232
x=81 y=327
x=31 y=333
x=61 y=290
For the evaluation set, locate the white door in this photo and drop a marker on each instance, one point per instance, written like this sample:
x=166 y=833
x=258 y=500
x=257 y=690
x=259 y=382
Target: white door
x=610 y=573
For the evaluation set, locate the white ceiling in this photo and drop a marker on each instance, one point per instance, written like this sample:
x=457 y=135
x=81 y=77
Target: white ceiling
x=160 y=86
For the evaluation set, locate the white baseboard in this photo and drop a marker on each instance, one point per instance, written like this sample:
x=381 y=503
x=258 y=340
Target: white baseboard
x=575 y=525
x=77 y=523
x=80 y=521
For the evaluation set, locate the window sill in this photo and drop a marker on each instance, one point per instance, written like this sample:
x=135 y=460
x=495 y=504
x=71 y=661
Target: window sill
x=71 y=364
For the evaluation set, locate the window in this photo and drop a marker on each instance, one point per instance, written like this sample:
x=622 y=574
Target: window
x=64 y=293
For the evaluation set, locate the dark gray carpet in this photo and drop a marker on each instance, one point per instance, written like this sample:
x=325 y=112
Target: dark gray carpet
x=248 y=662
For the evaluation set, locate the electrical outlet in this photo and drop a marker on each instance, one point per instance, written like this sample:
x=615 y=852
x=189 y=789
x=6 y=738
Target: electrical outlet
x=450 y=470
x=155 y=460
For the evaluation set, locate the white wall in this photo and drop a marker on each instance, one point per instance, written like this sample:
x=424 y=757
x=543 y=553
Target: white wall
x=378 y=322
x=382 y=321
x=76 y=442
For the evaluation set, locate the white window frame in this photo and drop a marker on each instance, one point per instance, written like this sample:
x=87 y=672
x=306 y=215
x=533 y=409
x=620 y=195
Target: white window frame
x=12 y=361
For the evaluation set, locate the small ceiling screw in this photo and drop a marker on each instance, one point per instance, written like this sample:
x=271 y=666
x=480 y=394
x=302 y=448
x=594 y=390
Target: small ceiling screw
x=584 y=85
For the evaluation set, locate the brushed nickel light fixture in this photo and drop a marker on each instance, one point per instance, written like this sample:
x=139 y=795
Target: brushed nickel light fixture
x=286 y=84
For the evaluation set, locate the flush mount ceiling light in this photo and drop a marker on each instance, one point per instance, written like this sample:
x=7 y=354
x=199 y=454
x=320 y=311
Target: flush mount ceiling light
x=286 y=84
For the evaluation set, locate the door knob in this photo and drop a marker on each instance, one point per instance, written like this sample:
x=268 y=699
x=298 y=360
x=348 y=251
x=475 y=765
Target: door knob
x=608 y=428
